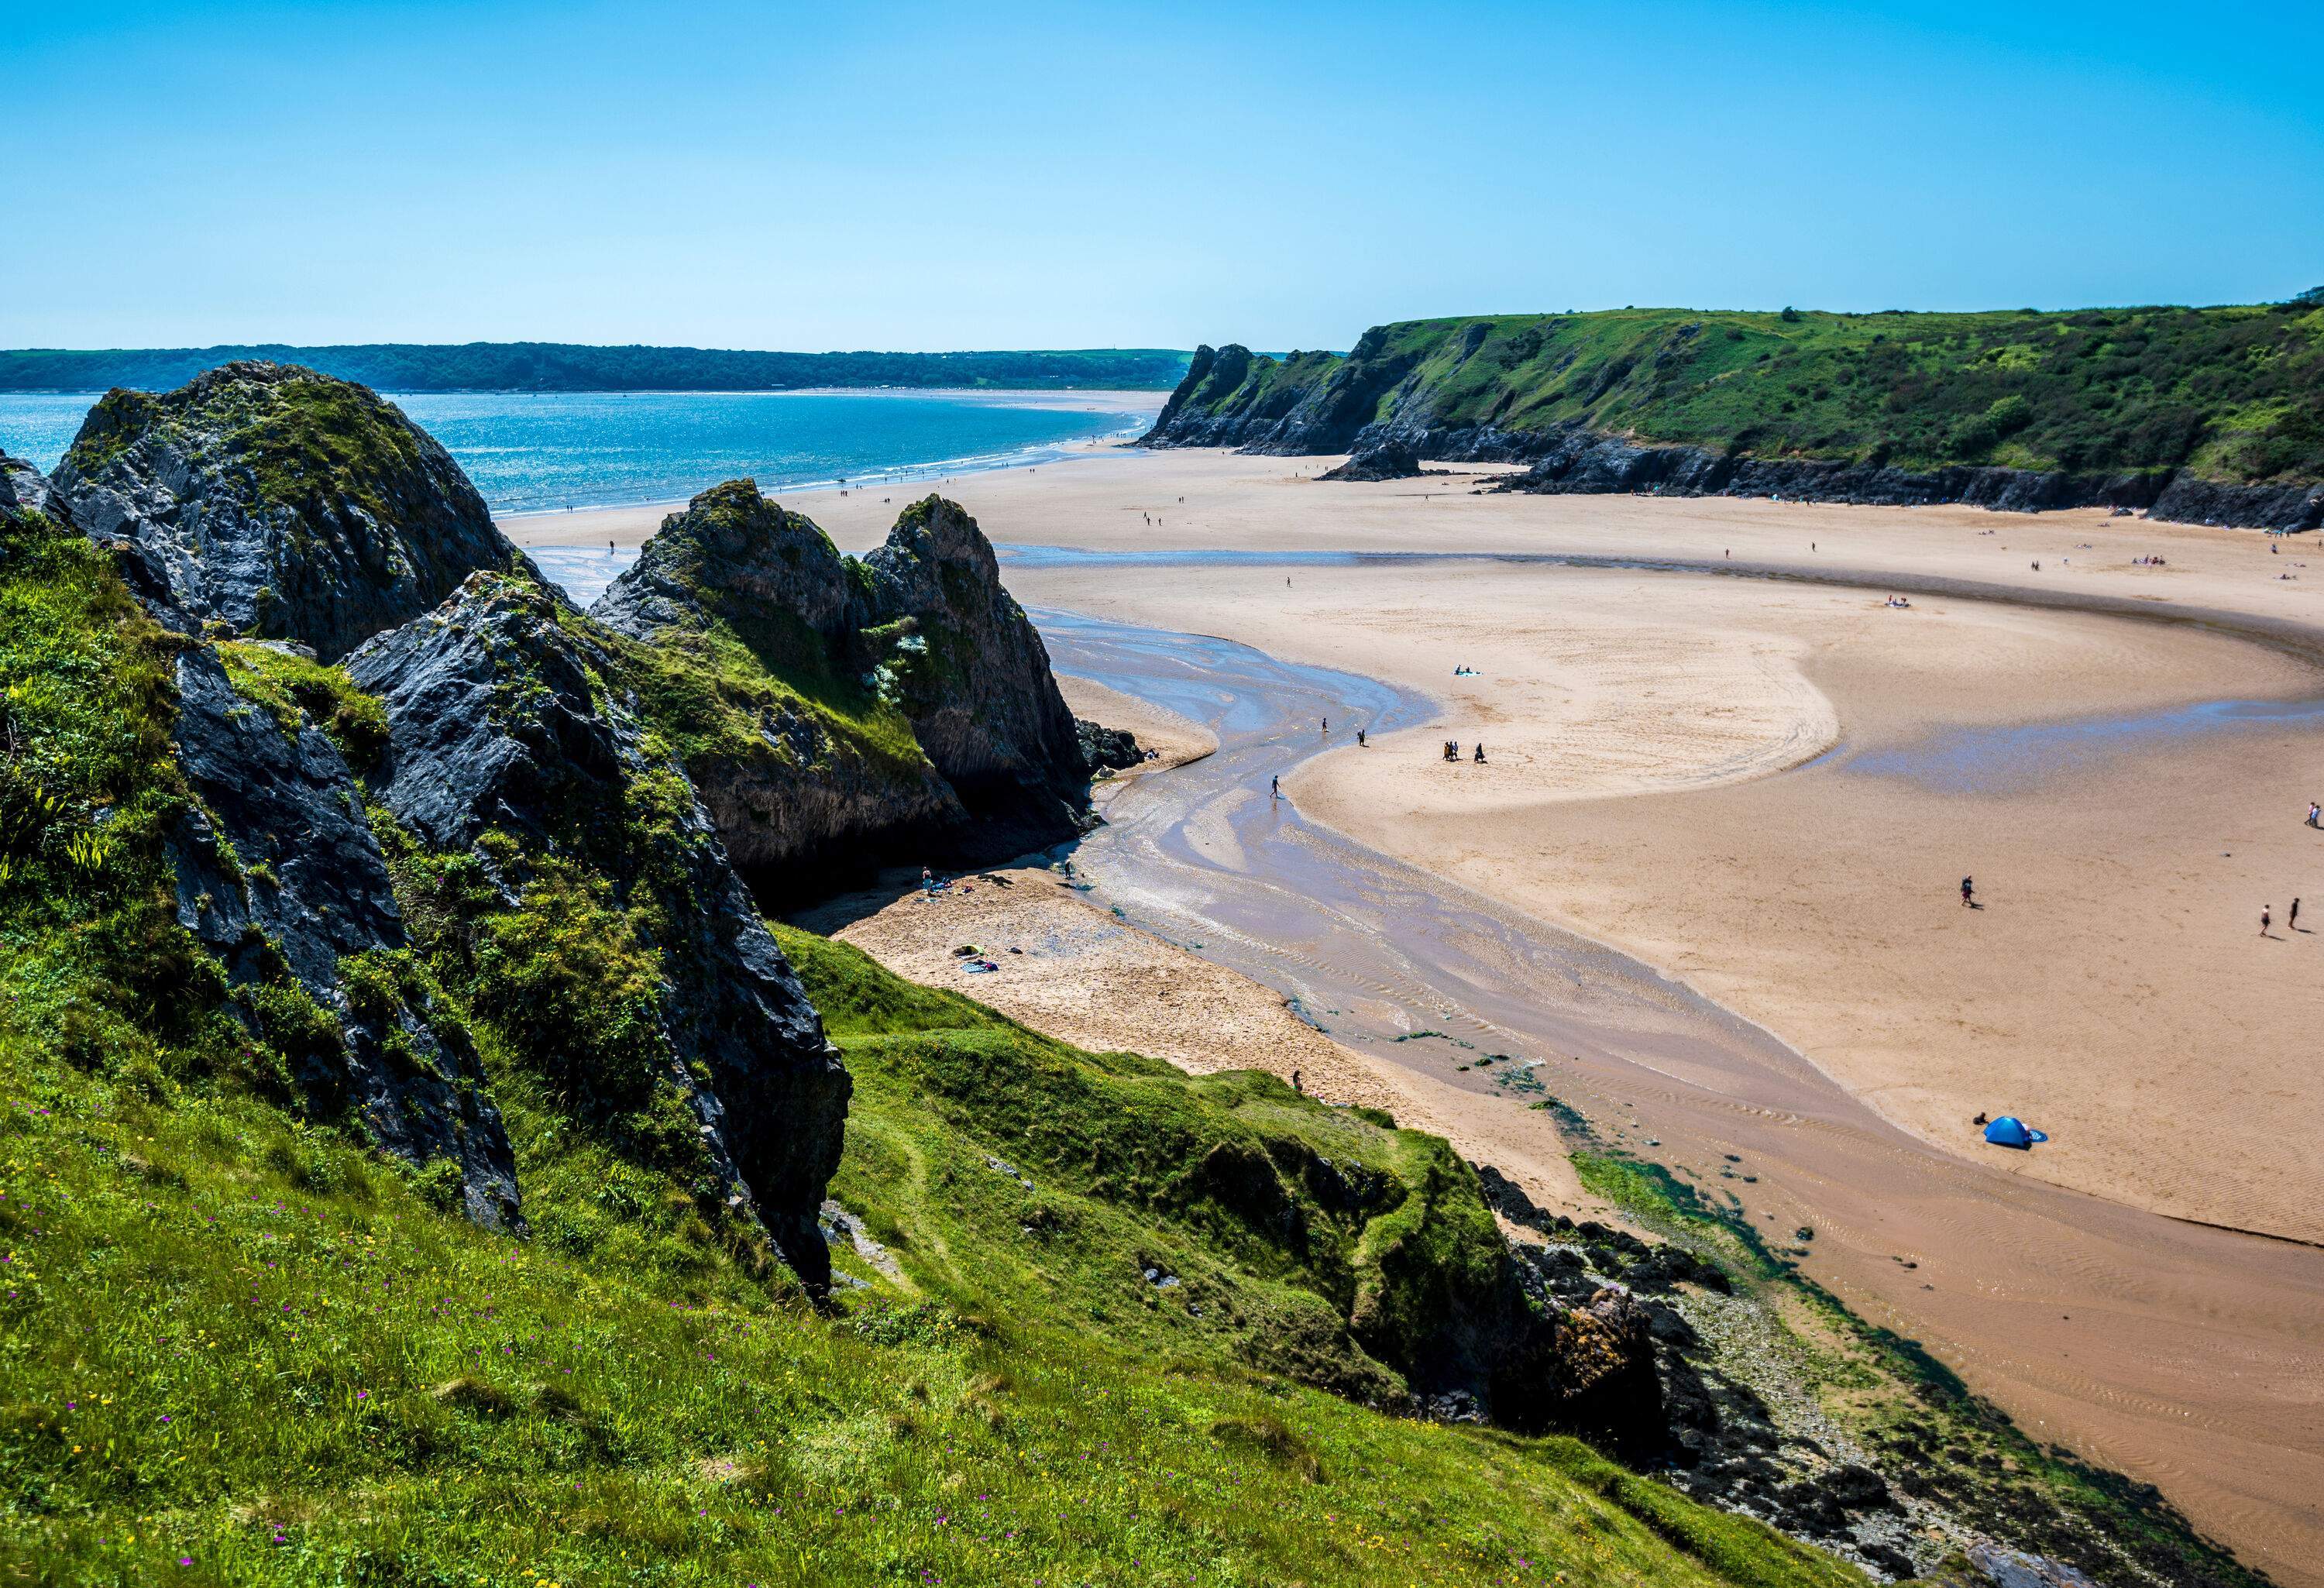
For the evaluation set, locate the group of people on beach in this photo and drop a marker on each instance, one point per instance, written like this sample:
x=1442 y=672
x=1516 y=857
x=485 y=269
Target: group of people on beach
x=1453 y=751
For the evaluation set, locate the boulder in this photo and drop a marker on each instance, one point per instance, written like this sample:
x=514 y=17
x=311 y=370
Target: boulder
x=1383 y=460
x=1104 y=748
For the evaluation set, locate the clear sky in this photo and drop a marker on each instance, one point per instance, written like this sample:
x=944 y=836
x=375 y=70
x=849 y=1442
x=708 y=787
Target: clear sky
x=963 y=175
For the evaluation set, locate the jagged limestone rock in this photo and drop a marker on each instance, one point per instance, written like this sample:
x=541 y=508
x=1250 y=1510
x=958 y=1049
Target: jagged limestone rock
x=980 y=694
x=278 y=878
x=516 y=738
x=280 y=503
x=836 y=713
x=278 y=872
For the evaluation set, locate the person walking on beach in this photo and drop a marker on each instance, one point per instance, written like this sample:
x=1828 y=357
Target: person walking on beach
x=1968 y=893
x=2265 y=916
x=1274 y=787
x=2315 y=811
x=1327 y=725
x=1360 y=738
x=2292 y=918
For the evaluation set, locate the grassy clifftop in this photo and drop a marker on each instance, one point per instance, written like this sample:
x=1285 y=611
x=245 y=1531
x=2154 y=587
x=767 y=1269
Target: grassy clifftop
x=2231 y=394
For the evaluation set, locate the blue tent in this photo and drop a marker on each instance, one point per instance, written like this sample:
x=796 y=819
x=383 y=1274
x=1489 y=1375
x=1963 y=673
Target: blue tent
x=2009 y=1130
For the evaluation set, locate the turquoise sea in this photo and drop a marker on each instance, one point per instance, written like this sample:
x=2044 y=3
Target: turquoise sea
x=543 y=451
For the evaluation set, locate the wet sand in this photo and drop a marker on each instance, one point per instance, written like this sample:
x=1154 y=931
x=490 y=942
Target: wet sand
x=2184 y=1354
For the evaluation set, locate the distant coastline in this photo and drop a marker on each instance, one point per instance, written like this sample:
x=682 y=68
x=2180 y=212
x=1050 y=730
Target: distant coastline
x=565 y=366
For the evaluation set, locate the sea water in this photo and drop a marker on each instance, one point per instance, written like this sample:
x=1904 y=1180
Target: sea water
x=545 y=451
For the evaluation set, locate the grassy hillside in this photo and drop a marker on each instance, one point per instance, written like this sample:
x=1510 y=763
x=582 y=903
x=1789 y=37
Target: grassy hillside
x=2234 y=394
x=239 y=1344
x=240 y=1349
x=565 y=366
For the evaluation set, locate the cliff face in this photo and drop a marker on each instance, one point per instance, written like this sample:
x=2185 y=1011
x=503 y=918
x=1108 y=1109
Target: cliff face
x=977 y=685
x=835 y=712
x=2195 y=415
x=280 y=503
x=280 y=878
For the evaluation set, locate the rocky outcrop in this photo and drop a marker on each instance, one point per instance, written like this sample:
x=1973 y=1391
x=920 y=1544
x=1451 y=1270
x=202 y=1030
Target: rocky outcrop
x=1572 y=459
x=278 y=503
x=515 y=736
x=1217 y=404
x=278 y=877
x=24 y=489
x=734 y=557
x=977 y=687
x=266 y=498
x=840 y=713
x=1388 y=460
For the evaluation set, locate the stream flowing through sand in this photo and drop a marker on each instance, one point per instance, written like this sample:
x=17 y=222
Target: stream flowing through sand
x=2188 y=1356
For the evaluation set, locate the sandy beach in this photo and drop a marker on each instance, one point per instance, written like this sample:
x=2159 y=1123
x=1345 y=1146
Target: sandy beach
x=1769 y=787
x=2114 y=987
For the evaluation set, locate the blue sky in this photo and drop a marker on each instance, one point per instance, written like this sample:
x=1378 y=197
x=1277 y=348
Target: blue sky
x=965 y=176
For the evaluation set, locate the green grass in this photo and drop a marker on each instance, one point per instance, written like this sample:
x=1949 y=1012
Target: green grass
x=294 y=688
x=308 y=441
x=716 y=700
x=239 y=1341
x=2233 y=393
